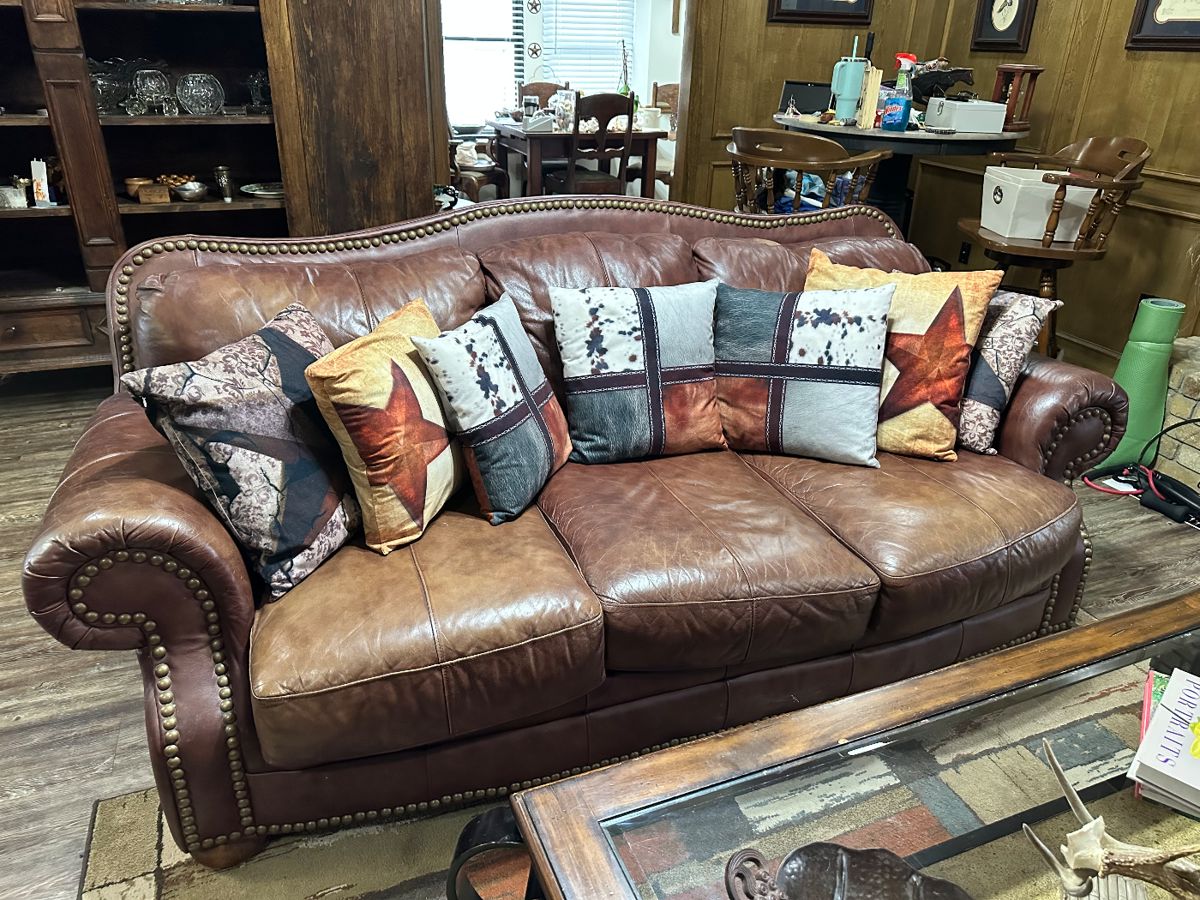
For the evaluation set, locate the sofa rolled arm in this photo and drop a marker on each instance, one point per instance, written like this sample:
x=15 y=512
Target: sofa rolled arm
x=129 y=556
x=1062 y=419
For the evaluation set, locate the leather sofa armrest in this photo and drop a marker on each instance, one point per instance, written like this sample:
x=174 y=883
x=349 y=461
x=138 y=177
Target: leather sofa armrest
x=127 y=540
x=129 y=556
x=1062 y=419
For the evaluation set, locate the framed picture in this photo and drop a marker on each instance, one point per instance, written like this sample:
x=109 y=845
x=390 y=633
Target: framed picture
x=1165 y=25
x=834 y=12
x=1003 y=25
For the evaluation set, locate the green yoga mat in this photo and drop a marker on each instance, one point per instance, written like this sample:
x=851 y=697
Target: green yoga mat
x=1142 y=371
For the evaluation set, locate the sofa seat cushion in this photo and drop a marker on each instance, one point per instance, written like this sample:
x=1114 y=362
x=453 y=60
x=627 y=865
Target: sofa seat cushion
x=468 y=628
x=699 y=563
x=948 y=540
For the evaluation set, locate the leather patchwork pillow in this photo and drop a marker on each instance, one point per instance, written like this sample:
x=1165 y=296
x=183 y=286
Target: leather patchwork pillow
x=800 y=373
x=1010 y=330
x=638 y=370
x=382 y=407
x=500 y=405
x=246 y=427
x=933 y=324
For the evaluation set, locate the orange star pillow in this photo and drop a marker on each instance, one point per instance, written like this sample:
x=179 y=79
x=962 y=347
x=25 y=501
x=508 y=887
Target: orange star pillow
x=933 y=325
x=378 y=401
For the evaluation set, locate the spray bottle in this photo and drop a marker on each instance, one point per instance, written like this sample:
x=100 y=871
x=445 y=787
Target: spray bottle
x=899 y=106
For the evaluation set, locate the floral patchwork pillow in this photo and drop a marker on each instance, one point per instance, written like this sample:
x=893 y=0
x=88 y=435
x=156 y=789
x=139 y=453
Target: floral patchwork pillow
x=500 y=405
x=638 y=370
x=246 y=427
x=1010 y=330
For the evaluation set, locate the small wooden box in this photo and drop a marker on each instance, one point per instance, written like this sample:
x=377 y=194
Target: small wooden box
x=154 y=193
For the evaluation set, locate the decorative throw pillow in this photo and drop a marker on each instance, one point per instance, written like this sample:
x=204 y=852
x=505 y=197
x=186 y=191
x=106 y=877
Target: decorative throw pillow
x=800 y=373
x=933 y=324
x=638 y=370
x=1010 y=330
x=247 y=429
x=382 y=407
x=499 y=403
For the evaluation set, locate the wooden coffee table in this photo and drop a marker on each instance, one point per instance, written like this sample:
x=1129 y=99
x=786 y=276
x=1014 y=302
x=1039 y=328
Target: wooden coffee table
x=662 y=825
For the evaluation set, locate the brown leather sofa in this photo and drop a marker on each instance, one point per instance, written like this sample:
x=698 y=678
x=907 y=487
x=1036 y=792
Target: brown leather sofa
x=637 y=605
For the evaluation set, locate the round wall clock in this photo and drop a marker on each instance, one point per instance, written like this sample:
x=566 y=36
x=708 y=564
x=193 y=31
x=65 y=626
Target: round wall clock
x=1003 y=25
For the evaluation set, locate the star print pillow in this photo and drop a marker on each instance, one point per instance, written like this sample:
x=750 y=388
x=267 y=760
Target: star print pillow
x=933 y=324
x=244 y=424
x=376 y=397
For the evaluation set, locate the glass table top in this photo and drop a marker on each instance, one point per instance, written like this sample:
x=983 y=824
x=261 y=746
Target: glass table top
x=947 y=793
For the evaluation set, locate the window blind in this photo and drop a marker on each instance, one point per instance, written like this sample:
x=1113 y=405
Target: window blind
x=483 y=49
x=581 y=41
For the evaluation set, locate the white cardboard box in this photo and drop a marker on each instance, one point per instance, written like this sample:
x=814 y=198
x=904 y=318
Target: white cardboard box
x=1017 y=204
x=975 y=116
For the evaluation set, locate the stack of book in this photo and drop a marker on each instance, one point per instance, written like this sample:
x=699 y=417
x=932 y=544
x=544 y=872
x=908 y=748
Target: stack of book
x=1167 y=765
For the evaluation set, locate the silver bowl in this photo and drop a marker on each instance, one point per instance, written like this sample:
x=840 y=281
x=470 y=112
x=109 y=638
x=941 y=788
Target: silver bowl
x=191 y=190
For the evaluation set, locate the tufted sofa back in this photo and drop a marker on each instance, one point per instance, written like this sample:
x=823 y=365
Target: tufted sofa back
x=180 y=298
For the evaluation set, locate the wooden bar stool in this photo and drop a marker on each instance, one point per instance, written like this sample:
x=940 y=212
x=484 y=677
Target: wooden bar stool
x=1108 y=165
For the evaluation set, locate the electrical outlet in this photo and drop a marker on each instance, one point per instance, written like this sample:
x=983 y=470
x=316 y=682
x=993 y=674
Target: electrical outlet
x=964 y=252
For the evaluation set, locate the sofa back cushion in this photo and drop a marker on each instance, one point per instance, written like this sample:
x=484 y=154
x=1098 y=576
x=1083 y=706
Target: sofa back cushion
x=760 y=264
x=527 y=268
x=187 y=313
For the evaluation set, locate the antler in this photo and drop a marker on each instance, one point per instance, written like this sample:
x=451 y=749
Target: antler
x=1090 y=852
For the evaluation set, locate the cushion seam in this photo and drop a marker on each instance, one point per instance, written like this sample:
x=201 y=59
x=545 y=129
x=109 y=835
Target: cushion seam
x=1007 y=548
x=736 y=560
x=625 y=604
x=807 y=510
x=411 y=671
x=372 y=322
x=437 y=644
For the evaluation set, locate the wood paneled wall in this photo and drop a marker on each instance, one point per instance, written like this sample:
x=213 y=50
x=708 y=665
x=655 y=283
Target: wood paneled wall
x=1092 y=86
x=359 y=108
x=737 y=66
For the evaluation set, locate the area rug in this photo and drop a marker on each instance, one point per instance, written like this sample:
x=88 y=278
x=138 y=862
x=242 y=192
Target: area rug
x=130 y=856
x=909 y=797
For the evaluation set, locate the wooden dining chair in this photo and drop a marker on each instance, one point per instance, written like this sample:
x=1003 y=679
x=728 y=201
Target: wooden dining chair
x=761 y=157
x=1109 y=166
x=601 y=147
x=665 y=97
x=472 y=179
x=543 y=90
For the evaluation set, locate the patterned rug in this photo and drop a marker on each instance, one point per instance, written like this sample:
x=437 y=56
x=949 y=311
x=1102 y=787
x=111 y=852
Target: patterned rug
x=130 y=856
x=908 y=797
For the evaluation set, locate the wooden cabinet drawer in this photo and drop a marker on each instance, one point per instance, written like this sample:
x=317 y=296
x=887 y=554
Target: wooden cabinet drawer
x=43 y=328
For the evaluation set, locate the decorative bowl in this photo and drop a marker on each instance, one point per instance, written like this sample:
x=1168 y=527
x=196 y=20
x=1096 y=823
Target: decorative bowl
x=200 y=94
x=191 y=190
x=133 y=185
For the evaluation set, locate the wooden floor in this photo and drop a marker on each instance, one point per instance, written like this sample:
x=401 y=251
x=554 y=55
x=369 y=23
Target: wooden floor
x=71 y=723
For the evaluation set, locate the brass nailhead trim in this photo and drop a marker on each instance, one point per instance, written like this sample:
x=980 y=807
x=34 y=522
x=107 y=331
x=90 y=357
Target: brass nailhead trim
x=447 y=220
x=162 y=673
x=1078 y=465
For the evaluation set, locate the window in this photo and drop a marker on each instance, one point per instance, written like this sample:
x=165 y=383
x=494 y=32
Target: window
x=484 y=50
x=582 y=42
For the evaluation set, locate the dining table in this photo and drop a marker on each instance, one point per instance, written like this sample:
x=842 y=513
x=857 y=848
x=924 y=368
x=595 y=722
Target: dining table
x=889 y=191
x=539 y=146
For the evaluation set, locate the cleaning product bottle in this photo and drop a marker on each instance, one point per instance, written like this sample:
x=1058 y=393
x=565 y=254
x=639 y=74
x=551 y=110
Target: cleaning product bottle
x=899 y=106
